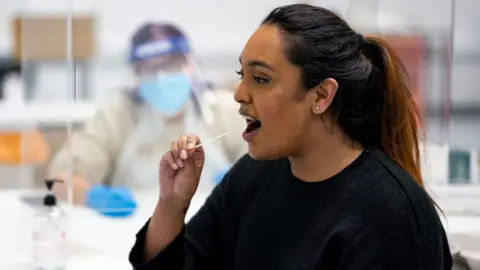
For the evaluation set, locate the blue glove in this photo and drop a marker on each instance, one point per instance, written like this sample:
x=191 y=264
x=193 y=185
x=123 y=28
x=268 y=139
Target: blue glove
x=111 y=201
x=218 y=176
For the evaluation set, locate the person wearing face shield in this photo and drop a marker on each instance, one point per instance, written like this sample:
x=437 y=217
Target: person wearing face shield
x=120 y=148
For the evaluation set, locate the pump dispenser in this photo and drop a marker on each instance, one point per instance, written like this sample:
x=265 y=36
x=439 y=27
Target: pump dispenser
x=49 y=233
x=50 y=199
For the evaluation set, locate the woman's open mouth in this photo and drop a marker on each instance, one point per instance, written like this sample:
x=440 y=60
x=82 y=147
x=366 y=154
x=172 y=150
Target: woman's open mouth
x=253 y=126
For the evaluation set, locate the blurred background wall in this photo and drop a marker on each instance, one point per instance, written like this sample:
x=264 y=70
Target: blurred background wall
x=219 y=29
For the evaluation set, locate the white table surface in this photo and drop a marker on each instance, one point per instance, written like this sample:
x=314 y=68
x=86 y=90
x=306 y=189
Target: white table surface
x=94 y=241
x=97 y=242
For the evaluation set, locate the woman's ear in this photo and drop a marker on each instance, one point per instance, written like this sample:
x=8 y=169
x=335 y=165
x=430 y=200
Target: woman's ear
x=323 y=95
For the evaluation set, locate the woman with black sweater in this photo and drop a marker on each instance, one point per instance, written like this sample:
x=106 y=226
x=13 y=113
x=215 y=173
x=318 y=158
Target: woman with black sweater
x=332 y=178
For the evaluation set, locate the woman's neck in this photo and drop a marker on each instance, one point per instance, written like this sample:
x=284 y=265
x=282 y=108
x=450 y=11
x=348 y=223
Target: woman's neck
x=325 y=159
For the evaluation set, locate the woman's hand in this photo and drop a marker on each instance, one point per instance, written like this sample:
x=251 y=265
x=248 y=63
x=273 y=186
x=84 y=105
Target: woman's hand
x=180 y=171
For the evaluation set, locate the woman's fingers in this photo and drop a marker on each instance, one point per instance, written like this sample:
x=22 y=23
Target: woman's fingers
x=176 y=154
x=171 y=160
x=192 y=143
x=183 y=148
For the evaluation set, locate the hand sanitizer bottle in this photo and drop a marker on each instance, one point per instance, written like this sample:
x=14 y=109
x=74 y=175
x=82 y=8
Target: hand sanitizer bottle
x=49 y=243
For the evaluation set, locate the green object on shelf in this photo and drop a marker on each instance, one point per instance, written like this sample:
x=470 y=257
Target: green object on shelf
x=459 y=167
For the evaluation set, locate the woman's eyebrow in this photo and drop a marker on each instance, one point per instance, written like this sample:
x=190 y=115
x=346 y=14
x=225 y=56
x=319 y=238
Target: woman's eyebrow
x=259 y=63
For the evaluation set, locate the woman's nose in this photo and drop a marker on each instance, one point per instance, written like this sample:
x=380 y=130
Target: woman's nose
x=242 y=95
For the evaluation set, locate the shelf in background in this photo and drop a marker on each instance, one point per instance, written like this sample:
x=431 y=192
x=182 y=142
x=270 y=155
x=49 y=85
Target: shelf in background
x=44 y=113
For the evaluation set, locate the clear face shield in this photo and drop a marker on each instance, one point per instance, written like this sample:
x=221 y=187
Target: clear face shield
x=169 y=76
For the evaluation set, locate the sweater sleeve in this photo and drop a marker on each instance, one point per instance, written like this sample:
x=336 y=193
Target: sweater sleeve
x=196 y=247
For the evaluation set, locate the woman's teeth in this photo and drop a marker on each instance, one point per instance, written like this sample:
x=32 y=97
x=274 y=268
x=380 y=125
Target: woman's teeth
x=249 y=119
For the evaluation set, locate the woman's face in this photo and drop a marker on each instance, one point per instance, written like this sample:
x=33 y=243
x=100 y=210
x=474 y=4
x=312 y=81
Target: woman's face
x=271 y=92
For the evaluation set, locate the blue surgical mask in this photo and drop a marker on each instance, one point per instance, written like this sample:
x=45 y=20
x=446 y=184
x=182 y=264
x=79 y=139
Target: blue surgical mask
x=168 y=93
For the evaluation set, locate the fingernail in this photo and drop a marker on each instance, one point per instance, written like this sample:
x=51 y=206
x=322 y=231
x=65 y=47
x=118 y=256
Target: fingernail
x=174 y=166
x=183 y=154
x=190 y=146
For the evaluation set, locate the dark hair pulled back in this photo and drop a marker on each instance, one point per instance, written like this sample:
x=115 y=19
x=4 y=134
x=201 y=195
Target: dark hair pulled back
x=373 y=104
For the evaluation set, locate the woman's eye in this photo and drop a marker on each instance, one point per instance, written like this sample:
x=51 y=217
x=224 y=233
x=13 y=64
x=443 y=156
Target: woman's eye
x=260 y=80
x=240 y=73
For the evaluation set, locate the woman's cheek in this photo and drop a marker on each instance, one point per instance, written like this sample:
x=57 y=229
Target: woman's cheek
x=268 y=113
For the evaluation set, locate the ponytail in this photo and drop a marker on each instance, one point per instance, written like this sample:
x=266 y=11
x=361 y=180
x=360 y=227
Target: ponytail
x=398 y=114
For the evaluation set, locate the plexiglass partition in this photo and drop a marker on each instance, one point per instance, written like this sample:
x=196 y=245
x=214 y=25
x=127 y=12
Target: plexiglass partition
x=86 y=109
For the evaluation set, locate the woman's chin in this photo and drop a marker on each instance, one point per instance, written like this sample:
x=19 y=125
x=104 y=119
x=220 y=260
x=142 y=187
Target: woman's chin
x=258 y=152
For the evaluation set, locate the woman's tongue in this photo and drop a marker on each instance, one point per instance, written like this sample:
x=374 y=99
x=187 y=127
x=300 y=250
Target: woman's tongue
x=253 y=126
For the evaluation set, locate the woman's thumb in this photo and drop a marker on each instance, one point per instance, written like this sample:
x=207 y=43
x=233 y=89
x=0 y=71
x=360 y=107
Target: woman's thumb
x=198 y=157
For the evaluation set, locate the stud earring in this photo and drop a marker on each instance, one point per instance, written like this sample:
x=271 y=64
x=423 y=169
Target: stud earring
x=317 y=108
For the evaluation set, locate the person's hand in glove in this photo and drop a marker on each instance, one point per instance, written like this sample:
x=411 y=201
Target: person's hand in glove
x=218 y=176
x=111 y=201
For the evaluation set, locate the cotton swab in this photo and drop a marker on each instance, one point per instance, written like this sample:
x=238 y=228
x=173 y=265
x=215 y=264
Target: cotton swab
x=212 y=139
